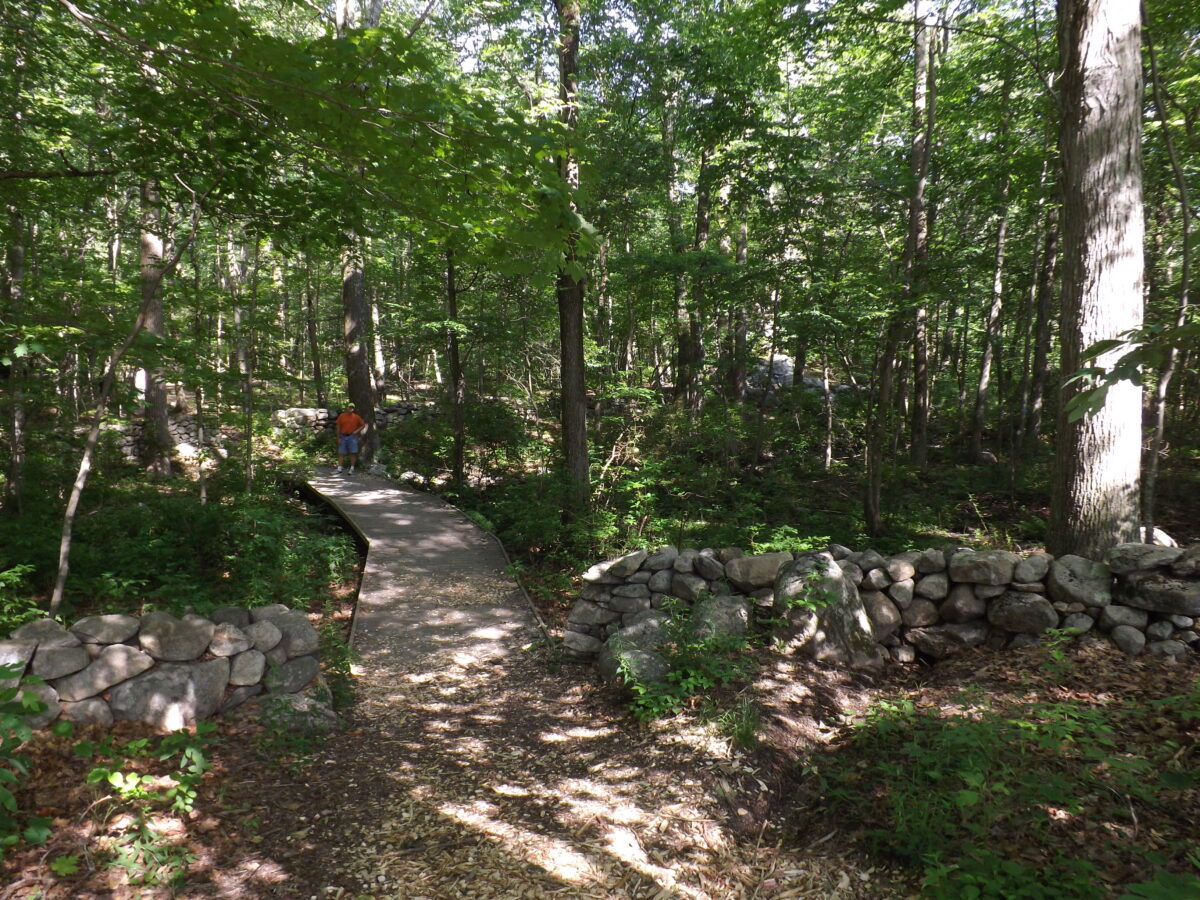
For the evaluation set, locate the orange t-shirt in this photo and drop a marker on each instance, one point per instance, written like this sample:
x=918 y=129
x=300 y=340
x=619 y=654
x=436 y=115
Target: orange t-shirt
x=349 y=422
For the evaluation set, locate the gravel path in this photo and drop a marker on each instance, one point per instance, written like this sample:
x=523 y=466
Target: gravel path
x=476 y=767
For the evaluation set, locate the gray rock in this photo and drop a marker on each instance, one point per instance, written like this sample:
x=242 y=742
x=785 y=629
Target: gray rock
x=983 y=567
x=1078 y=622
x=55 y=662
x=92 y=711
x=661 y=559
x=277 y=655
x=264 y=634
x=46 y=633
x=685 y=562
x=1033 y=568
x=988 y=591
x=16 y=654
x=725 y=554
x=1162 y=593
x=931 y=561
x=1023 y=640
x=946 y=640
x=270 y=611
x=624 y=566
x=1188 y=562
x=116 y=663
x=721 y=616
x=583 y=644
x=963 y=605
x=1170 y=649
x=884 y=616
x=687 y=586
x=658 y=601
x=641 y=576
x=1113 y=615
x=248 y=667
x=877 y=579
x=172 y=695
x=1181 y=621
x=1023 y=613
x=1125 y=558
x=660 y=581
x=825 y=617
x=1029 y=587
x=1074 y=579
x=868 y=560
x=599 y=593
x=851 y=571
x=904 y=654
x=109 y=629
x=710 y=568
x=750 y=573
x=296 y=712
x=902 y=592
x=920 y=613
x=1189 y=637
x=1159 y=631
x=231 y=615
x=47 y=699
x=900 y=569
x=229 y=640
x=294 y=675
x=643 y=666
x=934 y=586
x=631 y=590
x=1129 y=639
x=176 y=640
x=238 y=696
x=1159 y=538
x=646 y=629
x=627 y=605
x=298 y=638
x=839 y=551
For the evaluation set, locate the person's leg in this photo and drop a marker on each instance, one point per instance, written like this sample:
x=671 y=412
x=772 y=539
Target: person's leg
x=353 y=459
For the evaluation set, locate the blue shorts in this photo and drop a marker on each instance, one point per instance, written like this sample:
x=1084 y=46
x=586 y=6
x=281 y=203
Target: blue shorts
x=347 y=443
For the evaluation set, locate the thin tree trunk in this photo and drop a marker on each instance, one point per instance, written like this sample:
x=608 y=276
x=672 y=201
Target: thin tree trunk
x=14 y=296
x=157 y=443
x=458 y=393
x=1045 y=318
x=920 y=224
x=310 y=324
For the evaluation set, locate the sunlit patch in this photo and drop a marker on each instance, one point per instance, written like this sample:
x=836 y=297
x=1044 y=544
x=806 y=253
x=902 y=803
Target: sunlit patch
x=551 y=854
x=574 y=734
x=510 y=790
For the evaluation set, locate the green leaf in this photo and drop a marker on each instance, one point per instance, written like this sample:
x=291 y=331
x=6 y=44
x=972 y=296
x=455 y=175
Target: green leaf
x=65 y=866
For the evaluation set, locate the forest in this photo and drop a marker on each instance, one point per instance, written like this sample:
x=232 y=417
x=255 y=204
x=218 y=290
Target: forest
x=708 y=273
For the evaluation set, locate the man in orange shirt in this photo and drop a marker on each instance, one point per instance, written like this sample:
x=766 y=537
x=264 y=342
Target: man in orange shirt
x=349 y=426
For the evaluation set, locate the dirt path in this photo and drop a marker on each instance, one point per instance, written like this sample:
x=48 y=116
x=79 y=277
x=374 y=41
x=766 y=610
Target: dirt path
x=474 y=767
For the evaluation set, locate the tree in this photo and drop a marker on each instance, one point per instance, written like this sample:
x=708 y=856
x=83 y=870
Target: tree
x=1096 y=476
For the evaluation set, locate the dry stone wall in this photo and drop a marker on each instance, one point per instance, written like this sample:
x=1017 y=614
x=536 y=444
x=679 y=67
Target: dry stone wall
x=165 y=671
x=301 y=419
x=930 y=603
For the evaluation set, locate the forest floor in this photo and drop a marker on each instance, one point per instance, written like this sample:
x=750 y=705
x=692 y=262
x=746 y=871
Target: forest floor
x=519 y=776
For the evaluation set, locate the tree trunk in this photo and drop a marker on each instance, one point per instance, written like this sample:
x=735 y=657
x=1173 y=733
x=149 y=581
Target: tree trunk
x=157 y=444
x=1096 y=486
x=1045 y=318
x=13 y=296
x=917 y=245
x=458 y=394
x=310 y=324
x=570 y=281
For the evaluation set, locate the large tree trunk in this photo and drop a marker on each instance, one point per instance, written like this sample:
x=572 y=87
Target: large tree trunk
x=919 y=225
x=1096 y=480
x=157 y=444
x=570 y=284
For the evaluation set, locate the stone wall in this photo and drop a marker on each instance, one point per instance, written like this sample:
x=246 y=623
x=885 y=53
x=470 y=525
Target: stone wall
x=300 y=419
x=165 y=671
x=928 y=603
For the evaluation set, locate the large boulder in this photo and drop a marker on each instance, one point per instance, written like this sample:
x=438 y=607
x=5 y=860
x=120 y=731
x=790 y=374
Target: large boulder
x=825 y=617
x=175 y=640
x=229 y=640
x=620 y=658
x=585 y=612
x=293 y=676
x=47 y=701
x=752 y=572
x=172 y=695
x=1073 y=579
x=688 y=586
x=661 y=559
x=116 y=663
x=109 y=629
x=716 y=617
x=1161 y=593
x=1125 y=558
x=16 y=654
x=946 y=640
x=1032 y=568
x=983 y=567
x=1023 y=613
x=56 y=662
x=884 y=616
x=298 y=638
x=46 y=633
